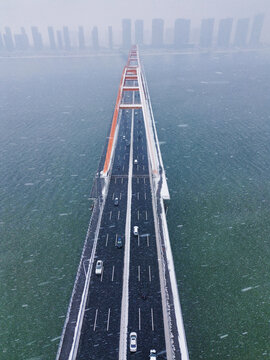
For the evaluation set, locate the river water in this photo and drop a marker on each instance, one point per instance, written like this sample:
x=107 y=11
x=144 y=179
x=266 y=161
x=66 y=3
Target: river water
x=213 y=121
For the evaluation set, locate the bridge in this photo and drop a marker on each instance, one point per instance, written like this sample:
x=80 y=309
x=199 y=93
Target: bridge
x=135 y=289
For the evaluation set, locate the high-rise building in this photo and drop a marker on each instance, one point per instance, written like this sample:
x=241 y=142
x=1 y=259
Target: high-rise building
x=25 y=39
x=110 y=37
x=126 y=33
x=8 y=40
x=181 y=32
x=37 y=38
x=139 y=32
x=95 y=41
x=256 y=30
x=51 y=38
x=157 y=32
x=21 y=40
x=81 y=38
x=1 y=42
x=66 y=37
x=206 y=35
x=59 y=39
x=224 y=32
x=241 y=32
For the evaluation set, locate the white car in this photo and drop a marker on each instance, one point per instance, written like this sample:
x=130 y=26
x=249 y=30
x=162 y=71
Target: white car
x=99 y=267
x=136 y=230
x=133 y=342
x=153 y=354
x=135 y=161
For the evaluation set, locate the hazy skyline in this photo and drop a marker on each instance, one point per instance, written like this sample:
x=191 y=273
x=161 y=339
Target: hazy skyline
x=102 y=13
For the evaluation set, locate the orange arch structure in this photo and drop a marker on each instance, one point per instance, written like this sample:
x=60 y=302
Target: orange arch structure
x=129 y=72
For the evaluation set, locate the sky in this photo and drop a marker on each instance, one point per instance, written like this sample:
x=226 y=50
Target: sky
x=102 y=13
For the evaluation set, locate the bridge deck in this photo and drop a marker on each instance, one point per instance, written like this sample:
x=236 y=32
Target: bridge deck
x=129 y=294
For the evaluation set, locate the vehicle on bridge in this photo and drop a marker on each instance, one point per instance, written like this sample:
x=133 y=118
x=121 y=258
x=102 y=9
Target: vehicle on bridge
x=119 y=242
x=133 y=342
x=153 y=354
x=136 y=230
x=99 y=267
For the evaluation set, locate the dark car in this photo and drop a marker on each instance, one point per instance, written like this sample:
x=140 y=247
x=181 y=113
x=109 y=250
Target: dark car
x=119 y=242
x=116 y=201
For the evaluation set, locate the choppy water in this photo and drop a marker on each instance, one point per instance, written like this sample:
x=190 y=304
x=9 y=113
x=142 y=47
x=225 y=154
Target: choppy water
x=213 y=121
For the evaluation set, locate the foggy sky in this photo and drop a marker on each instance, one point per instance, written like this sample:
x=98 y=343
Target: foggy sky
x=16 y=13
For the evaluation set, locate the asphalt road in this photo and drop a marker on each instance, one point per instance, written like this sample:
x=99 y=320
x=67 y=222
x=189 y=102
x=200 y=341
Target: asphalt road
x=101 y=324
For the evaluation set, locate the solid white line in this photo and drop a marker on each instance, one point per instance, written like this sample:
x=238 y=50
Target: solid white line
x=95 y=323
x=125 y=299
x=112 y=272
x=152 y=318
x=108 y=319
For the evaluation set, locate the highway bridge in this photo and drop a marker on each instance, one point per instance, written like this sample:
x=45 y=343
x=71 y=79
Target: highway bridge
x=136 y=289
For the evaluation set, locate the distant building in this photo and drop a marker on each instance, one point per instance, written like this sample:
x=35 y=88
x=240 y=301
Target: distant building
x=81 y=38
x=8 y=40
x=95 y=41
x=224 y=32
x=139 y=32
x=51 y=38
x=66 y=37
x=37 y=38
x=1 y=42
x=126 y=33
x=181 y=32
x=59 y=39
x=256 y=30
x=157 y=32
x=241 y=32
x=110 y=37
x=21 y=40
x=206 y=35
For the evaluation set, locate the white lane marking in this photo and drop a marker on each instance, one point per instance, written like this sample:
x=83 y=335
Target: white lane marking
x=138 y=214
x=110 y=217
x=152 y=318
x=122 y=180
x=118 y=157
x=120 y=196
x=115 y=179
x=102 y=272
x=115 y=240
x=113 y=273
x=144 y=196
x=138 y=196
x=138 y=180
x=138 y=240
x=108 y=319
x=125 y=290
x=148 y=240
x=150 y=275
x=112 y=196
x=137 y=145
x=107 y=237
x=139 y=318
x=123 y=168
x=146 y=215
x=95 y=322
x=139 y=273
x=143 y=157
x=118 y=216
x=144 y=180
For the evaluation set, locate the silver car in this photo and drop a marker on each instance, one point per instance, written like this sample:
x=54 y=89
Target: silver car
x=133 y=342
